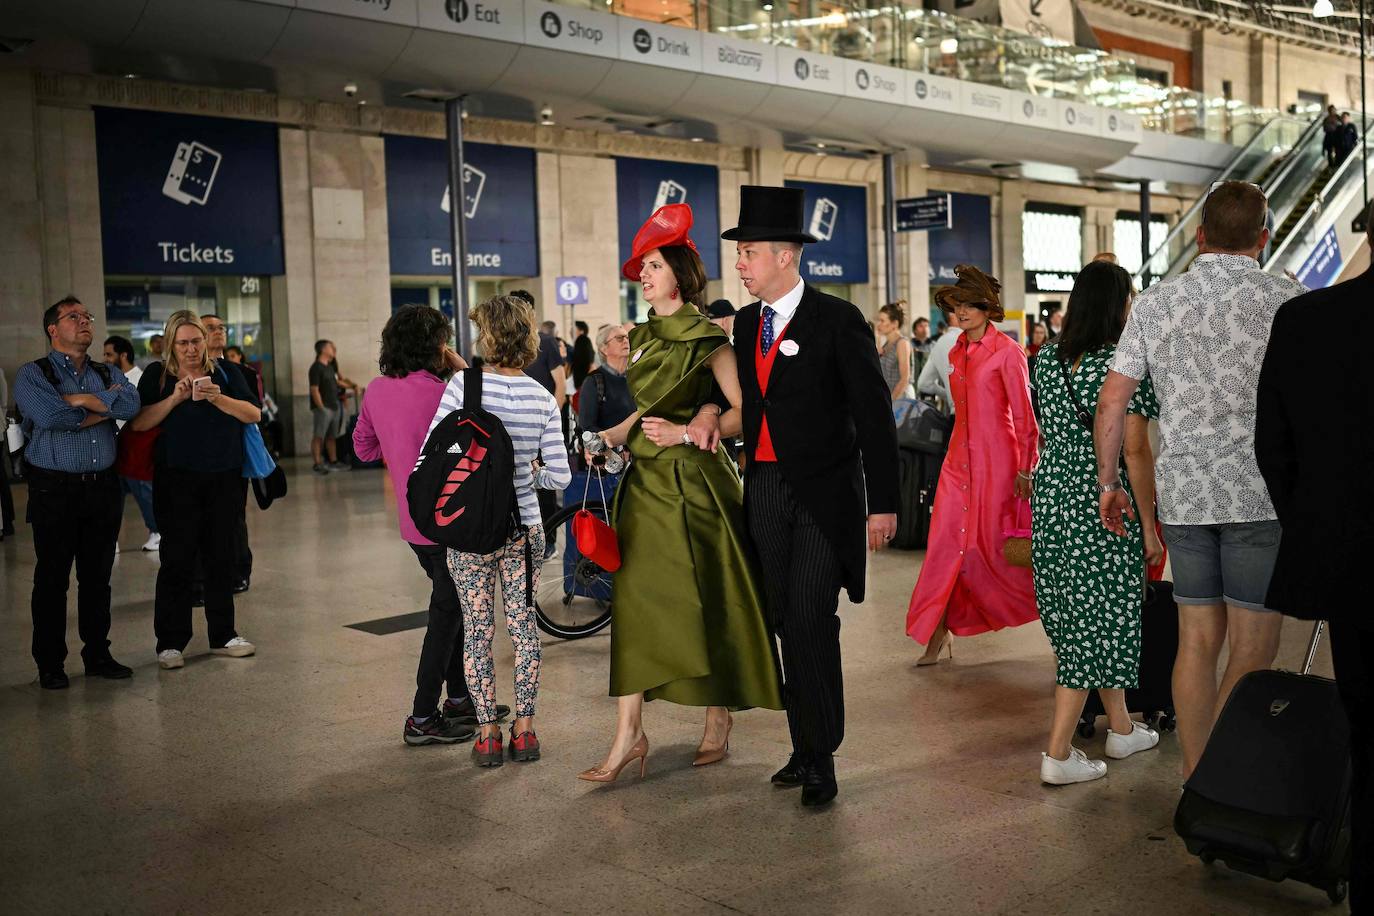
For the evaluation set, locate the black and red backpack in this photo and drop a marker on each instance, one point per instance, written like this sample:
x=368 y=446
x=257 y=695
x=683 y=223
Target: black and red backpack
x=461 y=493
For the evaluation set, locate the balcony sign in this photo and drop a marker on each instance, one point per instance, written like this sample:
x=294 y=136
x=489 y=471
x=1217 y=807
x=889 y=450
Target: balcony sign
x=498 y=202
x=644 y=185
x=837 y=214
x=184 y=195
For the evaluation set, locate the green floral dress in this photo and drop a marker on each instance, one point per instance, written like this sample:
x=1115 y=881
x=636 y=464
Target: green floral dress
x=1089 y=583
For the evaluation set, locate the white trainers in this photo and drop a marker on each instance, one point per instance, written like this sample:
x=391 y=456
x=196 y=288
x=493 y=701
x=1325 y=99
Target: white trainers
x=1140 y=738
x=238 y=647
x=1078 y=768
x=170 y=658
x=154 y=542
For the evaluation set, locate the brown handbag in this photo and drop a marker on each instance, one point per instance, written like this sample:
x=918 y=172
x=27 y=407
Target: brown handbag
x=1016 y=549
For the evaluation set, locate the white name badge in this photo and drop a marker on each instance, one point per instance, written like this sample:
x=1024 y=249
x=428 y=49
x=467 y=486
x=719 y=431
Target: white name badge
x=788 y=348
x=638 y=354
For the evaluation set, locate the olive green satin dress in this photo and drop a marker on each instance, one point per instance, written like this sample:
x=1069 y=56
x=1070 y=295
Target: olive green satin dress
x=688 y=613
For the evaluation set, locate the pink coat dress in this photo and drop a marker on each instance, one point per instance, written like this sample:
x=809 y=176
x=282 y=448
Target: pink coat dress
x=964 y=578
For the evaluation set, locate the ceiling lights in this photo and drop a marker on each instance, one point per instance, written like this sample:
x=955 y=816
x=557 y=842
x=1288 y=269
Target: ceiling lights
x=1322 y=9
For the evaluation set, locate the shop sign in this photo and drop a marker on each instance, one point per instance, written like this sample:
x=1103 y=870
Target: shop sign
x=967 y=241
x=567 y=28
x=1323 y=265
x=498 y=203
x=937 y=93
x=663 y=45
x=1081 y=119
x=816 y=72
x=181 y=194
x=876 y=83
x=503 y=20
x=837 y=214
x=401 y=12
x=745 y=60
x=644 y=185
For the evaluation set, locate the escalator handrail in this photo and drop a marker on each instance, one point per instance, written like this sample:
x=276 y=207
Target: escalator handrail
x=1187 y=216
x=1291 y=162
x=1315 y=207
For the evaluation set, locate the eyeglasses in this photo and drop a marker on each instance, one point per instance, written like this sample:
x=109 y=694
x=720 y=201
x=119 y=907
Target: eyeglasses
x=78 y=318
x=616 y=338
x=215 y=326
x=187 y=344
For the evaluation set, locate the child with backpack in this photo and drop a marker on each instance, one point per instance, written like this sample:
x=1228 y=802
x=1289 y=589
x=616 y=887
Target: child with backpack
x=485 y=500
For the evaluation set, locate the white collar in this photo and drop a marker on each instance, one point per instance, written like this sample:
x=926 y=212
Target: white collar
x=786 y=306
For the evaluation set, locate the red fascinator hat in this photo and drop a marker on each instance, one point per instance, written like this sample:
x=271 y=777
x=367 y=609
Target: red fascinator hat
x=668 y=226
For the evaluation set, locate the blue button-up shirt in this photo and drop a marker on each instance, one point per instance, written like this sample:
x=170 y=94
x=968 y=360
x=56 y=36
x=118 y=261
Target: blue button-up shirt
x=57 y=442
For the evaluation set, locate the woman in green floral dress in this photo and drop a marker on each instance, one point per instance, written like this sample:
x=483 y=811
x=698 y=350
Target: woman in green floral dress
x=1089 y=582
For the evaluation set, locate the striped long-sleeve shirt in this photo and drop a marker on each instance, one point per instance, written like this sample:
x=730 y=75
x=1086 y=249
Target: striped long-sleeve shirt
x=530 y=415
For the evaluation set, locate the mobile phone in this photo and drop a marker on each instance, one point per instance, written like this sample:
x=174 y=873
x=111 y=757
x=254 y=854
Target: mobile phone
x=195 y=387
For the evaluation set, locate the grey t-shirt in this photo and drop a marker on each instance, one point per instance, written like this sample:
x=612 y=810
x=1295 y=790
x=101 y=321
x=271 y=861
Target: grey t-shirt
x=327 y=381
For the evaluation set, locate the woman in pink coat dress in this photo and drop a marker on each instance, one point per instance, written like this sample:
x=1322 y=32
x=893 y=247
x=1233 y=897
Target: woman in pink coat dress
x=966 y=587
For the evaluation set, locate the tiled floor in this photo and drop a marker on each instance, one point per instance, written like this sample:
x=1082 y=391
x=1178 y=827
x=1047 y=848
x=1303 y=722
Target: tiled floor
x=280 y=784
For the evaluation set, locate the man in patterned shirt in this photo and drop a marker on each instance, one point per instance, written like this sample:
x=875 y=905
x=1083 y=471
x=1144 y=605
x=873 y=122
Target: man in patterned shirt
x=1201 y=338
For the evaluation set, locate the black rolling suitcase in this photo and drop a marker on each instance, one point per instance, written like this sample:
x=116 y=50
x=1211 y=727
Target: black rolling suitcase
x=1271 y=794
x=918 y=473
x=1154 y=698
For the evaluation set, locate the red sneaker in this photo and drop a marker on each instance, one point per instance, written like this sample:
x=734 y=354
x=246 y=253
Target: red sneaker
x=524 y=747
x=486 y=752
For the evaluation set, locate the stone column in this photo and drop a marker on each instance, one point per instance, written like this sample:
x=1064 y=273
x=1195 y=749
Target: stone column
x=1008 y=209
x=589 y=242
x=913 y=248
x=22 y=287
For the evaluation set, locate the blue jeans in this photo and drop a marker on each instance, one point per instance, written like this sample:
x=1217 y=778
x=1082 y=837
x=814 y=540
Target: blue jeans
x=142 y=491
x=1224 y=563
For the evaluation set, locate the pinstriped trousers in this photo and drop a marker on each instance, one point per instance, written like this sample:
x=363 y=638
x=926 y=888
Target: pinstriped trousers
x=802 y=577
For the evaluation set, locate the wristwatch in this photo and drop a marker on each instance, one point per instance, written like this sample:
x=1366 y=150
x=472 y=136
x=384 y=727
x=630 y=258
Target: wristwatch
x=1112 y=487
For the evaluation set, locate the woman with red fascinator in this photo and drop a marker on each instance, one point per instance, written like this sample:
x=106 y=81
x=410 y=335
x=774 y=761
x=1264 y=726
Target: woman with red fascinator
x=688 y=624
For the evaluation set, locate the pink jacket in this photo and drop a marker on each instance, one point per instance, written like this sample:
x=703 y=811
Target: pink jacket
x=392 y=425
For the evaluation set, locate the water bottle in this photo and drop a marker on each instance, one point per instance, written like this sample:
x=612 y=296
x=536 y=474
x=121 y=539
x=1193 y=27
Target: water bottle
x=603 y=456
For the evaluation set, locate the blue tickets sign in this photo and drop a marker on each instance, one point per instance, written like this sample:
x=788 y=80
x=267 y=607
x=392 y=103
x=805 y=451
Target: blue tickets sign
x=499 y=202
x=837 y=214
x=968 y=240
x=183 y=194
x=644 y=185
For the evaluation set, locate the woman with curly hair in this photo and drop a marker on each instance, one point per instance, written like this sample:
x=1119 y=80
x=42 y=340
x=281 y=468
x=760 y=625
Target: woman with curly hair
x=416 y=361
x=509 y=342
x=966 y=586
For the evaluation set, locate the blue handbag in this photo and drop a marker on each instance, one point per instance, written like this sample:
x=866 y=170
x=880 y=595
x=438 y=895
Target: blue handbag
x=257 y=462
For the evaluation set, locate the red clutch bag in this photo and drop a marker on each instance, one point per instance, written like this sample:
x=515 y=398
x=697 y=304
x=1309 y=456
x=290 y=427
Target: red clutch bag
x=596 y=540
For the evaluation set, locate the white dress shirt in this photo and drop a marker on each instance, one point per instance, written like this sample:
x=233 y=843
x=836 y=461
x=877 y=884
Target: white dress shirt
x=785 y=308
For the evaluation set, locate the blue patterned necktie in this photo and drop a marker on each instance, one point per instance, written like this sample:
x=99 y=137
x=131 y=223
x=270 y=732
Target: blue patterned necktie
x=766 y=343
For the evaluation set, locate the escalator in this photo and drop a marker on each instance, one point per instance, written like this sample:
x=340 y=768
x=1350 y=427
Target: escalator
x=1282 y=158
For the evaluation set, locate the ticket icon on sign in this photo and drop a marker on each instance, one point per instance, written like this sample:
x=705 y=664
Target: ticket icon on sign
x=192 y=174
x=474 y=180
x=669 y=192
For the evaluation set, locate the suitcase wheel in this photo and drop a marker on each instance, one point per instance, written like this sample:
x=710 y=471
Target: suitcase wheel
x=1337 y=891
x=1086 y=729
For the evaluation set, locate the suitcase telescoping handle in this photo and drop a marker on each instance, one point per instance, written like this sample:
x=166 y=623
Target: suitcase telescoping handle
x=1312 y=646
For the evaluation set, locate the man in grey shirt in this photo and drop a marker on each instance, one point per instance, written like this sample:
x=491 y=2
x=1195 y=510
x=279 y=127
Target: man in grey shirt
x=324 y=407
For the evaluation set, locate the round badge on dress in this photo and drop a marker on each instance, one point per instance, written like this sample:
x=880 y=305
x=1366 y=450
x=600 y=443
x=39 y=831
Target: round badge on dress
x=638 y=354
x=788 y=348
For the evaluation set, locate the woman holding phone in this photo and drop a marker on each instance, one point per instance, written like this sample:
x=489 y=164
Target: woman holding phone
x=197 y=463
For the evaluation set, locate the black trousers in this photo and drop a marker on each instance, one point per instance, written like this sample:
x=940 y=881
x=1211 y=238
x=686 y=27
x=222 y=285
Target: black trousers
x=548 y=505
x=441 y=656
x=6 y=497
x=196 y=512
x=1352 y=652
x=73 y=521
x=243 y=554
x=802 y=578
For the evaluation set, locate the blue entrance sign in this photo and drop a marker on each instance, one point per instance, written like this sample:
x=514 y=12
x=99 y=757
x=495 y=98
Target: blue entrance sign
x=968 y=240
x=918 y=213
x=644 y=185
x=182 y=194
x=1324 y=263
x=498 y=202
x=837 y=214
x=571 y=290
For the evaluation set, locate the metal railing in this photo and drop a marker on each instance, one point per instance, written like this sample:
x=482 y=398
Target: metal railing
x=1347 y=179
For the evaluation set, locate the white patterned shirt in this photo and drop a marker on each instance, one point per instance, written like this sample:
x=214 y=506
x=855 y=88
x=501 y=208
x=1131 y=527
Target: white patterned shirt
x=1201 y=337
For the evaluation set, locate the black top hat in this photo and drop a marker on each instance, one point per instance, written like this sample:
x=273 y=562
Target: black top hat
x=271 y=487
x=770 y=215
x=721 y=308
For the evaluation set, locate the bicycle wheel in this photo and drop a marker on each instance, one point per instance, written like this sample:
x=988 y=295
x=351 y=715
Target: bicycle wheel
x=574 y=595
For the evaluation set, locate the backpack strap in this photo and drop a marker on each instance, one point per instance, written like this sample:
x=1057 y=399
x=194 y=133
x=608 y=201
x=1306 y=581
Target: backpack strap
x=45 y=366
x=600 y=386
x=472 y=388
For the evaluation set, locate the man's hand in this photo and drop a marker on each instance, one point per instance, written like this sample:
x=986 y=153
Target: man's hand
x=1114 y=507
x=881 y=528
x=704 y=430
x=86 y=402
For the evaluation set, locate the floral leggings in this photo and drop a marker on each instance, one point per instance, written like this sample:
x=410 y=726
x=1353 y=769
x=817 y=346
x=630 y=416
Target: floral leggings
x=474 y=576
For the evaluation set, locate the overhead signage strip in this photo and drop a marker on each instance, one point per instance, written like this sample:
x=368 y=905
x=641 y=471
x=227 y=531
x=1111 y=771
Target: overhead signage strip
x=599 y=34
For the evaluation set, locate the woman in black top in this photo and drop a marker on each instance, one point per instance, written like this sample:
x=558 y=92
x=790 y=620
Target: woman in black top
x=605 y=403
x=198 y=461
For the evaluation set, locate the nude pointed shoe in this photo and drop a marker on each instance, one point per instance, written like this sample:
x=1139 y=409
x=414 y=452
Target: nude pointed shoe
x=639 y=752
x=716 y=754
x=930 y=658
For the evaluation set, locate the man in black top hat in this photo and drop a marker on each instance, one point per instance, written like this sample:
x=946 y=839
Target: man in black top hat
x=722 y=315
x=821 y=479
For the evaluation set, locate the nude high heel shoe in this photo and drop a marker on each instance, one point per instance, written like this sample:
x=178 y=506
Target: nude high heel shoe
x=716 y=754
x=639 y=752
x=930 y=658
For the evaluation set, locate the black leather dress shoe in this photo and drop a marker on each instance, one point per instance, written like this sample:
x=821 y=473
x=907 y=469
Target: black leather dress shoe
x=53 y=680
x=109 y=669
x=241 y=586
x=818 y=783
x=790 y=776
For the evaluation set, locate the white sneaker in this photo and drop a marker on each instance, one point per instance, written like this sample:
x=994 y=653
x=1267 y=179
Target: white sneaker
x=154 y=542
x=1141 y=738
x=1078 y=768
x=170 y=658
x=238 y=647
